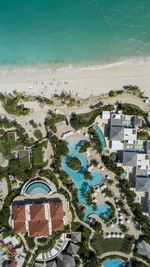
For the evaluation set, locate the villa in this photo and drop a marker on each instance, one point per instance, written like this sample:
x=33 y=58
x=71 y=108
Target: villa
x=39 y=210
x=38 y=217
x=133 y=154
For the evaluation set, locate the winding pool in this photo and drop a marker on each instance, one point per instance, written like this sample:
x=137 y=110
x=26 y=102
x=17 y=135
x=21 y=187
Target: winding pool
x=113 y=263
x=37 y=188
x=82 y=184
x=101 y=137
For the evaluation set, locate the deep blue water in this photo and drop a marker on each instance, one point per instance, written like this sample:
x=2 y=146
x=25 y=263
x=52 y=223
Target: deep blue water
x=69 y=31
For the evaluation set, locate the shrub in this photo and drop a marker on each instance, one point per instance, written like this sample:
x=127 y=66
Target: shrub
x=38 y=134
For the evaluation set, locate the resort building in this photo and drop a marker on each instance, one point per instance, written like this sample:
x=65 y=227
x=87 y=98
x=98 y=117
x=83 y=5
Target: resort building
x=133 y=154
x=39 y=211
x=38 y=217
x=62 y=254
x=143 y=248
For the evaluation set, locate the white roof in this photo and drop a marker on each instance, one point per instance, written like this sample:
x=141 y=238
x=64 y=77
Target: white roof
x=11 y=239
x=106 y=115
x=143 y=160
x=130 y=134
x=116 y=145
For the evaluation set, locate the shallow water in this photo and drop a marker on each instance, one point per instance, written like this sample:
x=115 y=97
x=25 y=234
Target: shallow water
x=68 y=31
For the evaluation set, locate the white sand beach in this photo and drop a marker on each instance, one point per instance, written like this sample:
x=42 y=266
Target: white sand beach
x=81 y=81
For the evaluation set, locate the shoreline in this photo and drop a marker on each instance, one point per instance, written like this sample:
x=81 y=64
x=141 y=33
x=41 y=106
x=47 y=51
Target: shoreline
x=82 y=81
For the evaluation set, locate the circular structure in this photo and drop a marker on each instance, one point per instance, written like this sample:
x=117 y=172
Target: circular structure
x=38 y=187
x=113 y=263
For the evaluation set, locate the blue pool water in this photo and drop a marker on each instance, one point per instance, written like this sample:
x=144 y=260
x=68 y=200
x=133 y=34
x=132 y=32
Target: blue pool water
x=1 y=254
x=113 y=263
x=38 y=188
x=82 y=184
x=101 y=137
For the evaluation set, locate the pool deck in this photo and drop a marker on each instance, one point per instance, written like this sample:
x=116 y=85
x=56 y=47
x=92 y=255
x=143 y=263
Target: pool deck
x=82 y=184
x=39 y=179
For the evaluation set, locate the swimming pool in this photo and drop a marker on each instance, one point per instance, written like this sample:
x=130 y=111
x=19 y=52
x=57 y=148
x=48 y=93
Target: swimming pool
x=37 y=188
x=83 y=185
x=1 y=254
x=113 y=263
x=101 y=137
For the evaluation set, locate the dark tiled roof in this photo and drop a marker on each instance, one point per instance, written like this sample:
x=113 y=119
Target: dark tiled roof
x=76 y=237
x=117 y=133
x=57 y=213
x=38 y=228
x=129 y=158
x=72 y=249
x=19 y=227
x=143 y=184
x=37 y=212
x=18 y=213
x=64 y=260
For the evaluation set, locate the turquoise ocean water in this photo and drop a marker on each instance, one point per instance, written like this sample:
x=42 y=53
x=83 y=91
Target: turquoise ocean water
x=73 y=31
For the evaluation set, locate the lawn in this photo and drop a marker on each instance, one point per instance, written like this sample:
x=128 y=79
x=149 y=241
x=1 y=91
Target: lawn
x=104 y=245
x=37 y=155
x=143 y=135
x=25 y=164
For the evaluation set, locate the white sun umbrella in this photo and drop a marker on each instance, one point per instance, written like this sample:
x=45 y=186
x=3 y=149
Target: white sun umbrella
x=95 y=200
x=128 y=221
x=114 y=235
x=119 y=209
x=112 y=225
x=95 y=194
x=109 y=236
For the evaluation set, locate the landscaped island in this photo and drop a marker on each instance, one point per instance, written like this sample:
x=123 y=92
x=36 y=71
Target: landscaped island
x=74 y=163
